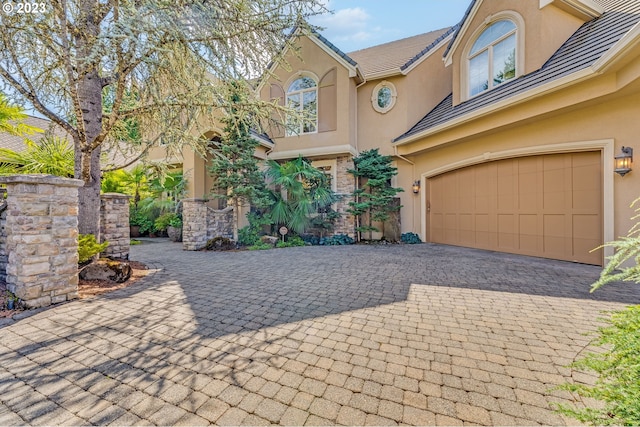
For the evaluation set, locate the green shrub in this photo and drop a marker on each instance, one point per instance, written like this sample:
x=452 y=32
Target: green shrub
x=410 y=238
x=247 y=236
x=250 y=235
x=338 y=239
x=175 y=222
x=165 y=220
x=617 y=366
x=618 y=385
x=141 y=220
x=291 y=242
x=88 y=247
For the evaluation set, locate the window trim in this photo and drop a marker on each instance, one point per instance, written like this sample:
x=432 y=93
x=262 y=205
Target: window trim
x=374 y=97
x=293 y=78
x=332 y=164
x=507 y=15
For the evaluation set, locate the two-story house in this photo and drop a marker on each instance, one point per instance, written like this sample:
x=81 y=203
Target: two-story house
x=504 y=128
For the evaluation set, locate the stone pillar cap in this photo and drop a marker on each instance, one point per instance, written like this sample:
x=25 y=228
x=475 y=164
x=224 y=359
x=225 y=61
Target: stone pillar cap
x=115 y=196
x=195 y=200
x=41 y=179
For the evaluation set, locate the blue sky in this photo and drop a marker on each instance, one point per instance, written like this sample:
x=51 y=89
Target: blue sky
x=356 y=24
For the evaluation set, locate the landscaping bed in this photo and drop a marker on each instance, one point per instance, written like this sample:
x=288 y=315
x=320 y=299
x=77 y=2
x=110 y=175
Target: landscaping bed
x=86 y=288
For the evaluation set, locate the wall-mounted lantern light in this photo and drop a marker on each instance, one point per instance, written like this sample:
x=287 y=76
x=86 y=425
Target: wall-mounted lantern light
x=416 y=187
x=622 y=162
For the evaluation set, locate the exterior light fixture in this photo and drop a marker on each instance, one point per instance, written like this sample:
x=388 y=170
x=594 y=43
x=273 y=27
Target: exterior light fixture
x=622 y=162
x=416 y=187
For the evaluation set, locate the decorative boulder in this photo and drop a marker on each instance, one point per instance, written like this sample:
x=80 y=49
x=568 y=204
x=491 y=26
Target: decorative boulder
x=174 y=233
x=106 y=269
x=269 y=240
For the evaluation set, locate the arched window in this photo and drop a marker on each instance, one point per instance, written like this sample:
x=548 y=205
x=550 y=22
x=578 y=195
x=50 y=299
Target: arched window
x=302 y=96
x=492 y=58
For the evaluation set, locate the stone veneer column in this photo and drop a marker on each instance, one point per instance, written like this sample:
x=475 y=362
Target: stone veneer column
x=114 y=225
x=345 y=185
x=194 y=224
x=41 y=229
x=3 y=236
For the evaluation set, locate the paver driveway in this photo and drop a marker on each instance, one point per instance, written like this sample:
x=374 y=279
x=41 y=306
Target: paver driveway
x=422 y=334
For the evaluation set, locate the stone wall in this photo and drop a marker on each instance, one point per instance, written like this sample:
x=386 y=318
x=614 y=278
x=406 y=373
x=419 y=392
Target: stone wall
x=345 y=185
x=40 y=235
x=220 y=223
x=201 y=223
x=114 y=225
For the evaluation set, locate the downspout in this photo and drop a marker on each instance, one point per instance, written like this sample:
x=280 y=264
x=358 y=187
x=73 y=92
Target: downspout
x=355 y=179
x=413 y=167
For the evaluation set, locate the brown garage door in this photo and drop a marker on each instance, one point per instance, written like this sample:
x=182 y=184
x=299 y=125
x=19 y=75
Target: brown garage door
x=547 y=206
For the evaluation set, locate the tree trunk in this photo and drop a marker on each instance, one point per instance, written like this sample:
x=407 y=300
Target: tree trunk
x=89 y=196
x=89 y=96
x=236 y=218
x=370 y=214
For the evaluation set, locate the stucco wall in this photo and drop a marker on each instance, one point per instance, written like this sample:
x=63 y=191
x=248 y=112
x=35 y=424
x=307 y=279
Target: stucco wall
x=545 y=30
x=615 y=119
x=417 y=93
x=318 y=62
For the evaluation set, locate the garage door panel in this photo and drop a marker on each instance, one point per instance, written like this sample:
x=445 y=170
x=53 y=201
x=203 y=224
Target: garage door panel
x=466 y=230
x=451 y=228
x=547 y=206
x=528 y=233
x=506 y=232
x=587 y=230
x=554 y=235
x=482 y=231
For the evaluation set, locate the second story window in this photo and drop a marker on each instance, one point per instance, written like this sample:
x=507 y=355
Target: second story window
x=302 y=96
x=492 y=59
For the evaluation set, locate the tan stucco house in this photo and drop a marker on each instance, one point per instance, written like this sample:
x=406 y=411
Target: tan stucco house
x=509 y=123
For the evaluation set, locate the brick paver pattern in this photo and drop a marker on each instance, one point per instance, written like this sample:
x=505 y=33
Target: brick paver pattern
x=414 y=334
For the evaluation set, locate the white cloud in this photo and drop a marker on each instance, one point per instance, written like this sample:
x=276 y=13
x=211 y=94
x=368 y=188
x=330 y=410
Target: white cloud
x=345 y=24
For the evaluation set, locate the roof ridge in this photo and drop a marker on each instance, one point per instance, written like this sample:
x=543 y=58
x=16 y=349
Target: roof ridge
x=429 y=47
x=397 y=40
x=333 y=47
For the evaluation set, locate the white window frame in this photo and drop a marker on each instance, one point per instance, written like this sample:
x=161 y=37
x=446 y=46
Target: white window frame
x=300 y=93
x=465 y=77
x=332 y=164
x=374 y=96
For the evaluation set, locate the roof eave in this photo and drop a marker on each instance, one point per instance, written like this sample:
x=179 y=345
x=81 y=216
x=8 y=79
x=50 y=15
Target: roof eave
x=608 y=59
x=583 y=9
x=424 y=57
x=464 y=25
x=545 y=89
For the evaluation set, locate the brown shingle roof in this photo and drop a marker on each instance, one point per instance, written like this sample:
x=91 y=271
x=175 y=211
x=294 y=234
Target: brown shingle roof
x=588 y=44
x=16 y=143
x=390 y=57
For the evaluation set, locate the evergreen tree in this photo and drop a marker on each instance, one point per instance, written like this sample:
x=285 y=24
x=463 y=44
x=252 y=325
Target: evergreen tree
x=375 y=194
x=234 y=166
x=160 y=63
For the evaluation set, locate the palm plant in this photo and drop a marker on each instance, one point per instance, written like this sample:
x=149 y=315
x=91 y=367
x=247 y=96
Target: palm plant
x=10 y=117
x=299 y=189
x=51 y=155
x=166 y=191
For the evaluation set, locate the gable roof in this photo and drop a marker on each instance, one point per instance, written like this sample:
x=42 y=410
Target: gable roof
x=591 y=47
x=324 y=44
x=584 y=8
x=396 y=56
